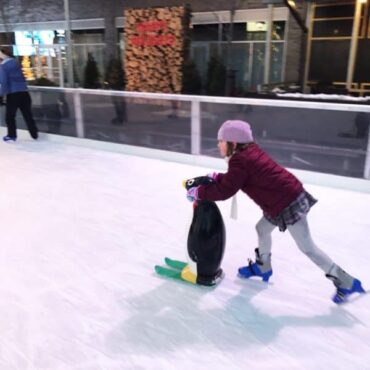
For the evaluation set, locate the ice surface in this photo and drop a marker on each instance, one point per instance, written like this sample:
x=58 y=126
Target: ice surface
x=81 y=230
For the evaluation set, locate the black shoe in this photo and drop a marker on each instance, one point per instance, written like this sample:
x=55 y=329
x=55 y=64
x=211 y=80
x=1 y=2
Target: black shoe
x=9 y=139
x=34 y=135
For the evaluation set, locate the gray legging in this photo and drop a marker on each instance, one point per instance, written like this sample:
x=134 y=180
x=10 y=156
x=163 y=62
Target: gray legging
x=301 y=235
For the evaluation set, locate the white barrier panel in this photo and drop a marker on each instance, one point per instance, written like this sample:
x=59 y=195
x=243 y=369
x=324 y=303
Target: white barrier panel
x=208 y=163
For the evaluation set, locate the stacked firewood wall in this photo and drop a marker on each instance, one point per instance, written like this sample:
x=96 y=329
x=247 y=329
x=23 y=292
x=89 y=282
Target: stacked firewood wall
x=156 y=44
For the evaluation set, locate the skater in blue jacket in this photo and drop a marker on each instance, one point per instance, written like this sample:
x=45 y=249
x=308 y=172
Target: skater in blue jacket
x=14 y=88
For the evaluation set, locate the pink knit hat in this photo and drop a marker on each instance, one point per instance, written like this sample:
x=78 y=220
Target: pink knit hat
x=235 y=132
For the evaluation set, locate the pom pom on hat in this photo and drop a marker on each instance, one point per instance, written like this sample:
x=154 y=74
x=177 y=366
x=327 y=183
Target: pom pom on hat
x=235 y=132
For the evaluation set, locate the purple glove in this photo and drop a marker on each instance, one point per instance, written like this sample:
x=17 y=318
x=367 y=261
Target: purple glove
x=192 y=194
x=213 y=175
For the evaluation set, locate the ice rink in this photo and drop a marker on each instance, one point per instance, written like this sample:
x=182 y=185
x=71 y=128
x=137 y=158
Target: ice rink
x=81 y=230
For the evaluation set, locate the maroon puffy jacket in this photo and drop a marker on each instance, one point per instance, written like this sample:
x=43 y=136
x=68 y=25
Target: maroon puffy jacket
x=255 y=173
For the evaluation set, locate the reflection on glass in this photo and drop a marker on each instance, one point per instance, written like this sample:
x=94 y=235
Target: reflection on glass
x=159 y=124
x=53 y=112
x=258 y=65
x=276 y=62
x=333 y=28
x=205 y=32
x=200 y=58
x=239 y=63
x=278 y=30
x=316 y=140
x=80 y=58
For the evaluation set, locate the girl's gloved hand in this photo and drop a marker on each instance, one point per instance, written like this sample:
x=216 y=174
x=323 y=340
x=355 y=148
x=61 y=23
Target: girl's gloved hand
x=213 y=175
x=192 y=194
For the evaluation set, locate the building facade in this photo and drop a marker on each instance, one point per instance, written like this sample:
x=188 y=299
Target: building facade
x=259 y=42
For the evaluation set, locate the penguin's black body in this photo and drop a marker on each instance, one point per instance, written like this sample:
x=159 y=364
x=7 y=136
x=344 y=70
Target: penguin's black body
x=207 y=237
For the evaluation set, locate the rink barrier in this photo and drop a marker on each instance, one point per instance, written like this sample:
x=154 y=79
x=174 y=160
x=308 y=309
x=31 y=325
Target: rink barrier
x=196 y=100
x=205 y=164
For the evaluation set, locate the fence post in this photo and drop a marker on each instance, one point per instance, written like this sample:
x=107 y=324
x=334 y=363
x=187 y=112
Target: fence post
x=60 y=67
x=80 y=130
x=195 y=127
x=367 y=159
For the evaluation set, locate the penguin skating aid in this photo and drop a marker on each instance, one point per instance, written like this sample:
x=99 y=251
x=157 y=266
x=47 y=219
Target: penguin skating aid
x=205 y=244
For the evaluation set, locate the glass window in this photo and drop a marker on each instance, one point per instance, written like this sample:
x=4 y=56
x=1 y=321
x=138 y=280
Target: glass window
x=333 y=28
x=245 y=54
x=239 y=32
x=7 y=38
x=25 y=40
x=258 y=66
x=59 y=37
x=335 y=11
x=205 y=32
x=253 y=31
x=214 y=49
x=278 y=30
x=80 y=59
x=88 y=36
x=200 y=58
x=276 y=62
x=121 y=40
x=238 y=64
x=256 y=31
x=329 y=60
x=120 y=34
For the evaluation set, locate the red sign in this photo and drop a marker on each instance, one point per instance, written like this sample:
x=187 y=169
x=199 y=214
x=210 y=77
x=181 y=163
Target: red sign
x=151 y=26
x=151 y=34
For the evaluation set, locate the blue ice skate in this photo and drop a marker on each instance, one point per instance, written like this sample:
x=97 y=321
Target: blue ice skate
x=258 y=268
x=342 y=294
x=345 y=284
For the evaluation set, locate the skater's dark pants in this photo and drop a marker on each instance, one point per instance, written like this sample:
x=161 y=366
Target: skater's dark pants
x=21 y=100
